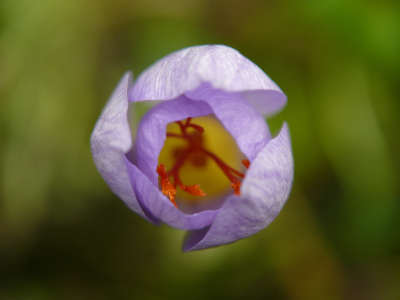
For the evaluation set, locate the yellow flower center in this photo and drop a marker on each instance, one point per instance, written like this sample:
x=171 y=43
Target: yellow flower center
x=199 y=158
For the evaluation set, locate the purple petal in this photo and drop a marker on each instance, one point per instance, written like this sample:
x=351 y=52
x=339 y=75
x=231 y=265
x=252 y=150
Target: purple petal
x=240 y=118
x=265 y=190
x=111 y=140
x=221 y=66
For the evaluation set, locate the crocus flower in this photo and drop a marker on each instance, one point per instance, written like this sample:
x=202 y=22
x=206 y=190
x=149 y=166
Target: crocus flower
x=191 y=83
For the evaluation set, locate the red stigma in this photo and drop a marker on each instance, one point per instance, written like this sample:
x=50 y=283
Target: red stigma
x=195 y=140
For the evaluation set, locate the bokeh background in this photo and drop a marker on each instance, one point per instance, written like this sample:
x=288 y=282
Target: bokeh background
x=64 y=235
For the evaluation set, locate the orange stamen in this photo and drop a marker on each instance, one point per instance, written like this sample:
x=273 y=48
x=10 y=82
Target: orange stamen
x=236 y=187
x=246 y=163
x=195 y=146
x=193 y=189
x=166 y=186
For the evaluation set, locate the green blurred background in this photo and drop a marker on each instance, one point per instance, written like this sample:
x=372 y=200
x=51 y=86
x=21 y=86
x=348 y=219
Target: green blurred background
x=64 y=235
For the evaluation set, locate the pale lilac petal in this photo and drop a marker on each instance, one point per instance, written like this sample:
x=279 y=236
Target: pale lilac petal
x=111 y=140
x=239 y=118
x=265 y=190
x=221 y=66
x=267 y=102
x=157 y=205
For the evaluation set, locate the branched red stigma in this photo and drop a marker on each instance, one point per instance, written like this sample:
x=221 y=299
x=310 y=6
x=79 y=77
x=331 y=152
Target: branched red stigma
x=195 y=140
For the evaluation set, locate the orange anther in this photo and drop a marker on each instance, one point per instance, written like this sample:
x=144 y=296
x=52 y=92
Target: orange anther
x=236 y=186
x=193 y=190
x=166 y=186
x=246 y=163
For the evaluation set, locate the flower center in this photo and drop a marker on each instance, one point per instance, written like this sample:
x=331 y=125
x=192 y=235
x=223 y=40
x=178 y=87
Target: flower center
x=193 y=151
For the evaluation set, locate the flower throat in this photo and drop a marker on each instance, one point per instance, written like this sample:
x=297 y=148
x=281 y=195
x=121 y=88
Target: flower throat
x=196 y=153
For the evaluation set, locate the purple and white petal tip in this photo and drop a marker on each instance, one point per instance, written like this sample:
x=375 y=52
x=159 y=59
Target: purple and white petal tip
x=190 y=83
x=221 y=66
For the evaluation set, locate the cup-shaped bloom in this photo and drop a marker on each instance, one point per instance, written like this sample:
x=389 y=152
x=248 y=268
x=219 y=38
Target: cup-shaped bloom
x=190 y=83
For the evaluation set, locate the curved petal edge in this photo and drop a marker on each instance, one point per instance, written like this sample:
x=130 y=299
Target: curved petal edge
x=111 y=140
x=265 y=191
x=221 y=66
